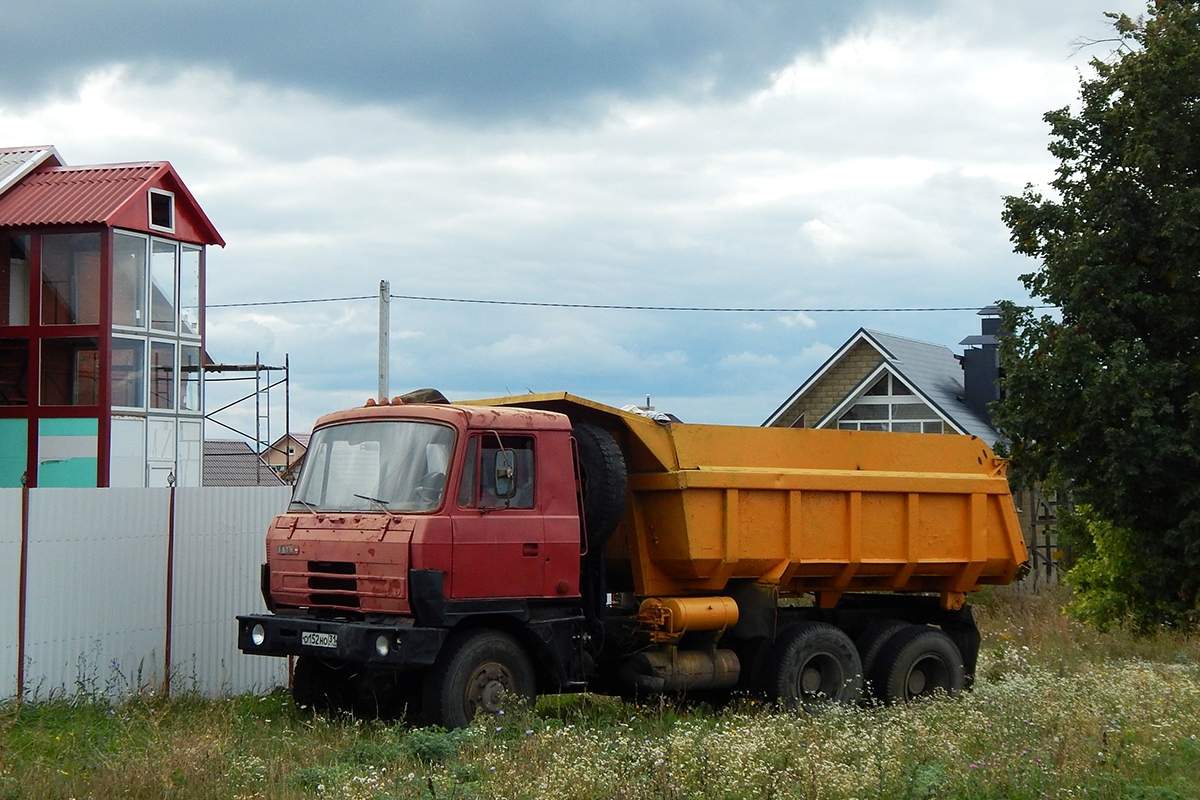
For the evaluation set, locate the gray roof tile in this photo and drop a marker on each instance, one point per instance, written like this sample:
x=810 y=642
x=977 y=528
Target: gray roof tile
x=230 y=463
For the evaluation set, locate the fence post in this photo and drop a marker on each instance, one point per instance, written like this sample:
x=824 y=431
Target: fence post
x=170 y=592
x=22 y=572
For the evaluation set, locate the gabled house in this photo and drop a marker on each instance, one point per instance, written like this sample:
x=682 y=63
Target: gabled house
x=102 y=272
x=883 y=382
x=285 y=453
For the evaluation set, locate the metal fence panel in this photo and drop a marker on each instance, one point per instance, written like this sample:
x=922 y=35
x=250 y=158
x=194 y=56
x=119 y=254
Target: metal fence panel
x=219 y=535
x=96 y=591
x=10 y=576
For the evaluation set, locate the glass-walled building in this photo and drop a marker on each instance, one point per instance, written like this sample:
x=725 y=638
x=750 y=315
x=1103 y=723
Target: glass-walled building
x=101 y=323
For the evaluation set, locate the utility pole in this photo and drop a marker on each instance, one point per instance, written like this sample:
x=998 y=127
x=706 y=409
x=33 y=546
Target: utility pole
x=385 y=327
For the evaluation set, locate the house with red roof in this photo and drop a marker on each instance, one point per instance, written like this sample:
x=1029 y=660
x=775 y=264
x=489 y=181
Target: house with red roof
x=102 y=272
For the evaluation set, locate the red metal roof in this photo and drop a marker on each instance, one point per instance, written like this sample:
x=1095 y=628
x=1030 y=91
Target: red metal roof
x=97 y=195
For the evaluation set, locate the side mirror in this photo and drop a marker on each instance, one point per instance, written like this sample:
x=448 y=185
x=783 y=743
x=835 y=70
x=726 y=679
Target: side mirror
x=506 y=473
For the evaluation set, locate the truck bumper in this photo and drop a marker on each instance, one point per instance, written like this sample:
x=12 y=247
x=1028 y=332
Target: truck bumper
x=383 y=645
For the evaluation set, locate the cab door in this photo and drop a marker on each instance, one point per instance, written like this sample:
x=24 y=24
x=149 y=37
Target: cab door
x=499 y=533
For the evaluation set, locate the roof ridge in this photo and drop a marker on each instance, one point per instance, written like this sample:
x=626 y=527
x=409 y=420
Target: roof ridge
x=111 y=166
x=904 y=338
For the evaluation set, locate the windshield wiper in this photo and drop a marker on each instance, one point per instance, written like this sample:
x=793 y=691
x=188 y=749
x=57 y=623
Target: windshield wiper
x=381 y=503
x=306 y=504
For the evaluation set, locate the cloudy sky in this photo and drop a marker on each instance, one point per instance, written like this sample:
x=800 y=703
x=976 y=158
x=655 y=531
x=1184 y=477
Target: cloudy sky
x=758 y=155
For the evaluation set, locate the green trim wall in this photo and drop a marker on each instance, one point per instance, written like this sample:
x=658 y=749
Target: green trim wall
x=14 y=450
x=67 y=452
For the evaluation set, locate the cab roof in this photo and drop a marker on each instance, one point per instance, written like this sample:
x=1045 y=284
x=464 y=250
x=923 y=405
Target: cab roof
x=460 y=416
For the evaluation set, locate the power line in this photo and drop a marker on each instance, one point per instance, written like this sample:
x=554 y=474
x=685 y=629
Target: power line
x=610 y=307
x=290 y=302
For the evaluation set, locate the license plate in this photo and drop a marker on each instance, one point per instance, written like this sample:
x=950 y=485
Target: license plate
x=315 y=639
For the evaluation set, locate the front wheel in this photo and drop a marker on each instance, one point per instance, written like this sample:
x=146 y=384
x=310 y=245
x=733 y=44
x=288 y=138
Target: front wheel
x=475 y=673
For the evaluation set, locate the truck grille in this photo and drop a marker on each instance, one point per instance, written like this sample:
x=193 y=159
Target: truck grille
x=331 y=586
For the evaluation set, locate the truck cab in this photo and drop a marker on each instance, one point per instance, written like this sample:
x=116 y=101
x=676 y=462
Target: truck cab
x=406 y=522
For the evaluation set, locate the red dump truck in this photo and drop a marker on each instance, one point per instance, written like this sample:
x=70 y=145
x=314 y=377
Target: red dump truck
x=440 y=557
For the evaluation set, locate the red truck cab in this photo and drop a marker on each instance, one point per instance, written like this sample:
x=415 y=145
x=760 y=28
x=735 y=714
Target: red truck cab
x=410 y=522
x=391 y=488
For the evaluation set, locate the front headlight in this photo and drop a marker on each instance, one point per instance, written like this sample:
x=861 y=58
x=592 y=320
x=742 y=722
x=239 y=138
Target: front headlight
x=383 y=645
x=258 y=634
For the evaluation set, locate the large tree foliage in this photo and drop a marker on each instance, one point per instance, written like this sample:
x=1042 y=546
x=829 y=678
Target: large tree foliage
x=1105 y=395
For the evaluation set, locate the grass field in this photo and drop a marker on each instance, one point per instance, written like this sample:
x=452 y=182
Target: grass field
x=1057 y=711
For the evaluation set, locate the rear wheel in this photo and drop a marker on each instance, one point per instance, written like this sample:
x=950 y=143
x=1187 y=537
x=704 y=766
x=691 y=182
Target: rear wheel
x=918 y=662
x=814 y=664
x=872 y=641
x=475 y=673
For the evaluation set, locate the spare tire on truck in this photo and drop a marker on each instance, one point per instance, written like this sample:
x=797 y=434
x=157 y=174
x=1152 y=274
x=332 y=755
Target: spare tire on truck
x=604 y=479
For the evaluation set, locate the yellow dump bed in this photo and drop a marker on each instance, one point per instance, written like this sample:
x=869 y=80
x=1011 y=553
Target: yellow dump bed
x=809 y=510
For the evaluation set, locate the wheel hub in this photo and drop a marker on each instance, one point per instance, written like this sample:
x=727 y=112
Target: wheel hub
x=488 y=686
x=810 y=681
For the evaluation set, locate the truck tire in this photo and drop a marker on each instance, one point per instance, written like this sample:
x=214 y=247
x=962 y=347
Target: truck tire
x=814 y=664
x=917 y=662
x=604 y=479
x=473 y=674
x=320 y=685
x=871 y=642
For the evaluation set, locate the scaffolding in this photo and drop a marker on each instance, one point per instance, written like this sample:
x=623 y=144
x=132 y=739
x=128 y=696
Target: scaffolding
x=265 y=380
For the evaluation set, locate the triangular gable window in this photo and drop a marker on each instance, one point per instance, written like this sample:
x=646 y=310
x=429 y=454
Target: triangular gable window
x=889 y=405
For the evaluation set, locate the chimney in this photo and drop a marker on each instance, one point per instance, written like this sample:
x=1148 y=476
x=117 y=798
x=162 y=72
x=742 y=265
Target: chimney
x=981 y=364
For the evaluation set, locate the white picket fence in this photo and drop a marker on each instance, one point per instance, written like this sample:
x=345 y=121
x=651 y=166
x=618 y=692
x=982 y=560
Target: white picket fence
x=132 y=590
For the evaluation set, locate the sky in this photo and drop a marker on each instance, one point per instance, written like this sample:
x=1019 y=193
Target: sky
x=795 y=156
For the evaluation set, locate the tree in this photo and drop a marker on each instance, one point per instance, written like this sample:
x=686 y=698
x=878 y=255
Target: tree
x=1105 y=395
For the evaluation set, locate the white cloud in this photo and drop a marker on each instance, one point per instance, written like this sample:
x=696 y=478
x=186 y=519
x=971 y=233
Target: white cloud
x=865 y=175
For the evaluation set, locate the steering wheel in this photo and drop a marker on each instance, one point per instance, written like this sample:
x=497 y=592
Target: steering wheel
x=430 y=486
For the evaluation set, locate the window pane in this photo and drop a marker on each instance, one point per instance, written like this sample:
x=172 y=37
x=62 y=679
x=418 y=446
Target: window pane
x=906 y=427
x=371 y=466
x=162 y=210
x=189 y=291
x=162 y=285
x=129 y=281
x=14 y=280
x=899 y=388
x=932 y=427
x=873 y=426
x=14 y=372
x=128 y=372
x=911 y=411
x=466 y=489
x=880 y=387
x=522 y=483
x=69 y=372
x=162 y=375
x=71 y=279
x=189 y=378
x=867 y=411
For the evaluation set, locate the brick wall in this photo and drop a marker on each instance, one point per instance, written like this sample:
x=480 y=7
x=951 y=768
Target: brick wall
x=833 y=387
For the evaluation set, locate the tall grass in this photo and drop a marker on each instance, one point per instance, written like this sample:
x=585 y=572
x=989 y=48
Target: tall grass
x=1057 y=711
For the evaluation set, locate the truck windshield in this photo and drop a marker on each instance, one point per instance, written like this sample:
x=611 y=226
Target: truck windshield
x=393 y=465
